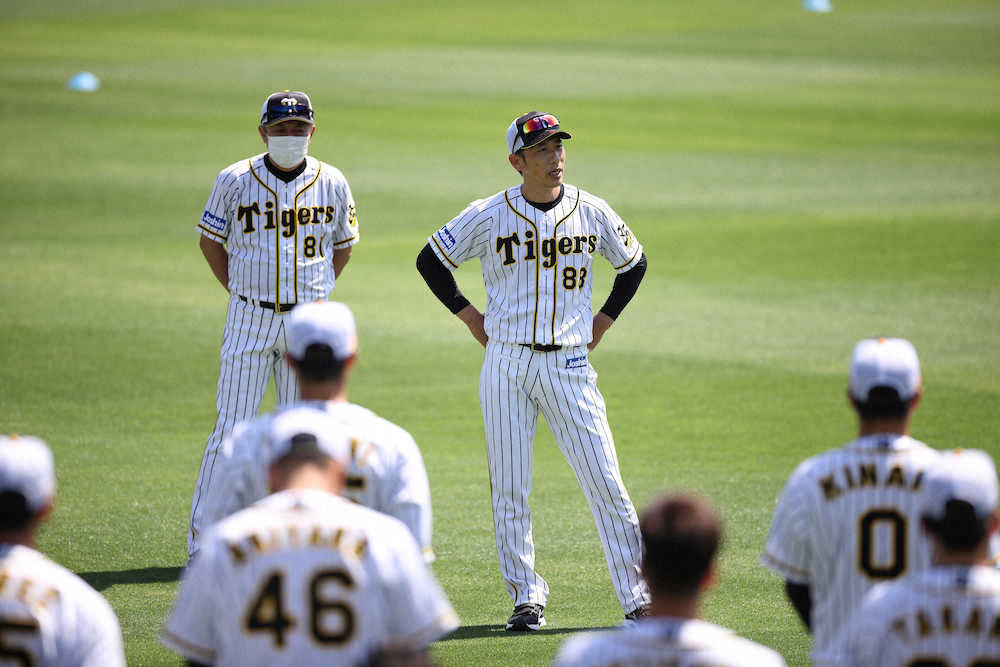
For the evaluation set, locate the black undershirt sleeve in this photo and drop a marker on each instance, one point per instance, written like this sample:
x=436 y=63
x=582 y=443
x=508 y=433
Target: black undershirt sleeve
x=624 y=289
x=801 y=599
x=439 y=279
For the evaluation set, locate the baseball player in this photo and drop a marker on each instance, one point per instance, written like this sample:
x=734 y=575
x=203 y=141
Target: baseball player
x=947 y=615
x=385 y=471
x=48 y=615
x=847 y=519
x=277 y=230
x=536 y=242
x=305 y=577
x=681 y=536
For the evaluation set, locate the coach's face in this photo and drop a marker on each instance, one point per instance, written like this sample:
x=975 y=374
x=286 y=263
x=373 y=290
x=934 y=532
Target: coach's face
x=289 y=128
x=542 y=164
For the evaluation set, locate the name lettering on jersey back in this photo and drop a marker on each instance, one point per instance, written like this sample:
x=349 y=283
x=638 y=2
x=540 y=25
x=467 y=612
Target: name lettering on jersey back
x=930 y=622
x=294 y=536
x=288 y=218
x=550 y=248
x=865 y=475
x=32 y=594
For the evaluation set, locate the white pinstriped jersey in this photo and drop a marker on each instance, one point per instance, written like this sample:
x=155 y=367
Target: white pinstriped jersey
x=537 y=264
x=386 y=471
x=849 y=519
x=280 y=236
x=51 y=617
x=947 y=616
x=305 y=577
x=654 y=642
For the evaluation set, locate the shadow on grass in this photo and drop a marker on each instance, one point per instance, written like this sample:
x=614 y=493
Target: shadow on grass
x=142 y=575
x=498 y=631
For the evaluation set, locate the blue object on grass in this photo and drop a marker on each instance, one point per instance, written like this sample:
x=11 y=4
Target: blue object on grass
x=85 y=81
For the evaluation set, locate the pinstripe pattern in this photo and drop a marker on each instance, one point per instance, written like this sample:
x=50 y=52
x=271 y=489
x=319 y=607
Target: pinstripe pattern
x=847 y=520
x=515 y=385
x=280 y=238
x=946 y=616
x=527 y=301
x=536 y=266
x=661 y=641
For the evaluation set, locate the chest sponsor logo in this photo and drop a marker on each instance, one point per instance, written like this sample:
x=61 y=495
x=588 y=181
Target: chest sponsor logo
x=576 y=362
x=550 y=249
x=290 y=218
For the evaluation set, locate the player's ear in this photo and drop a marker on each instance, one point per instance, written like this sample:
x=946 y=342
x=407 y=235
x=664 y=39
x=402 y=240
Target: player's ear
x=710 y=579
x=991 y=527
x=516 y=161
x=263 y=134
x=350 y=361
x=290 y=361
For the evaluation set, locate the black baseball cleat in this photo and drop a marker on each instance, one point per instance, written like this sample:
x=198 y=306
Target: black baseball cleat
x=635 y=615
x=526 y=617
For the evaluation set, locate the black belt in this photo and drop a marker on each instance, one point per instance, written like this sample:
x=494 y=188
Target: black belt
x=542 y=348
x=281 y=307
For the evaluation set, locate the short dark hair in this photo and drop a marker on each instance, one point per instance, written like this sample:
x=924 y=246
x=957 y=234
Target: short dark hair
x=681 y=535
x=14 y=512
x=305 y=449
x=318 y=364
x=959 y=529
x=882 y=403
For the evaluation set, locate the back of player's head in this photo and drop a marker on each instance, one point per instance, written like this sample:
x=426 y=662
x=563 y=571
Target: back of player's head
x=307 y=435
x=321 y=337
x=681 y=535
x=27 y=480
x=961 y=499
x=884 y=377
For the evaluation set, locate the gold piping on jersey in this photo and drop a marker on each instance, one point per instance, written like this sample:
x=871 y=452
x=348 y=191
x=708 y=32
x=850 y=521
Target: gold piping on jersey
x=555 y=271
x=277 y=238
x=210 y=232
x=534 y=322
x=632 y=259
x=295 y=241
x=442 y=251
x=337 y=243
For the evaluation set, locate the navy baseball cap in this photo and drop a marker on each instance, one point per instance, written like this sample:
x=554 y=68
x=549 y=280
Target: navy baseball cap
x=286 y=105
x=531 y=129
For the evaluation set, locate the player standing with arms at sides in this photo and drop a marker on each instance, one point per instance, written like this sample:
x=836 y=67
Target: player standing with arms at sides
x=948 y=614
x=48 y=615
x=680 y=536
x=306 y=577
x=536 y=242
x=277 y=231
x=848 y=519
x=385 y=471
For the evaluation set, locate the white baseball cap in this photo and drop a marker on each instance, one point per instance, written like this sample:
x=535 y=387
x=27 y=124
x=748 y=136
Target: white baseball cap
x=328 y=323
x=532 y=128
x=964 y=474
x=884 y=362
x=307 y=426
x=26 y=467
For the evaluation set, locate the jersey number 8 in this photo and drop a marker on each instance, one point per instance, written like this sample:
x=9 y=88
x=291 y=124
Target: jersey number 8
x=267 y=612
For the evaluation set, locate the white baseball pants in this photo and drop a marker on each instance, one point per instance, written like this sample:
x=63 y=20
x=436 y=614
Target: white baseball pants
x=516 y=382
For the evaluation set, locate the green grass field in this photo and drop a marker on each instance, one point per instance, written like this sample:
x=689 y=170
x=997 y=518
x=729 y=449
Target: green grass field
x=799 y=181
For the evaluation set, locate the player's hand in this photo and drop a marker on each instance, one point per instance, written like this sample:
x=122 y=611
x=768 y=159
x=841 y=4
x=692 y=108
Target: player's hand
x=476 y=322
x=602 y=323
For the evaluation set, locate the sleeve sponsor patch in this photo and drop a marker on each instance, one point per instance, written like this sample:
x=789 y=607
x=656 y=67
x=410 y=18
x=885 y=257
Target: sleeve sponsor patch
x=213 y=222
x=576 y=362
x=446 y=239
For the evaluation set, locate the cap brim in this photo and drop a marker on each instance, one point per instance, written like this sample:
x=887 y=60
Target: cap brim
x=547 y=134
x=279 y=121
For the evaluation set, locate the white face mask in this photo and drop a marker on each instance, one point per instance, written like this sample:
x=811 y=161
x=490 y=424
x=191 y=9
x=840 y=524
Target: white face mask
x=287 y=152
